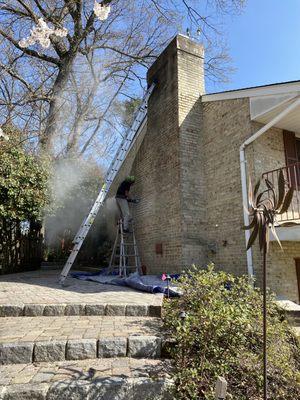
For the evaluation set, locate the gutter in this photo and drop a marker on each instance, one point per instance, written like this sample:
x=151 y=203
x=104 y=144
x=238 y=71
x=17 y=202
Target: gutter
x=243 y=162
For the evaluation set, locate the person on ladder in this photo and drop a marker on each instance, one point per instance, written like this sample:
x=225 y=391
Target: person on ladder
x=122 y=198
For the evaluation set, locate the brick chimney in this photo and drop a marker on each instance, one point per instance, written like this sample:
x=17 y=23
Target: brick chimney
x=168 y=163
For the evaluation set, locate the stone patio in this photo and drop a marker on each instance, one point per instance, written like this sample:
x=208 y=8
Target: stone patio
x=82 y=341
x=41 y=287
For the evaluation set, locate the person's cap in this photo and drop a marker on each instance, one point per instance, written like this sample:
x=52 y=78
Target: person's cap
x=130 y=178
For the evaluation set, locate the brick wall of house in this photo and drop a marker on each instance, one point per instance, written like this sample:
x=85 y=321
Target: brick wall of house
x=268 y=153
x=226 y=124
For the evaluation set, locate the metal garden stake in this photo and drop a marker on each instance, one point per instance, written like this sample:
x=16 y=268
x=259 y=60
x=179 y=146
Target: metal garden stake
x=263 y=208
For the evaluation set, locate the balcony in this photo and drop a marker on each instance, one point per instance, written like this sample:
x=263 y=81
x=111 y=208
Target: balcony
x=292 y=179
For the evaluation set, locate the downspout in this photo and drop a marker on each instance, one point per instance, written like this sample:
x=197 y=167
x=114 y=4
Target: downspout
x=243 y=162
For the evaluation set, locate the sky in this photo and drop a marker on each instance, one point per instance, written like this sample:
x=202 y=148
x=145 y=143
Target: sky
x=264 y=44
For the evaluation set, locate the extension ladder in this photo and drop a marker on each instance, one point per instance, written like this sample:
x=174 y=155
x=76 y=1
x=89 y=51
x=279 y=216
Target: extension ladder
x=125 y=146
x=125 y=256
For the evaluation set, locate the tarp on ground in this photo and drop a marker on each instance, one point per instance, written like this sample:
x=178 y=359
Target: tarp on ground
x=144 y=283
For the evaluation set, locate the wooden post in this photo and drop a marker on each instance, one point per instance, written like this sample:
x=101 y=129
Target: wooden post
x=221 y=388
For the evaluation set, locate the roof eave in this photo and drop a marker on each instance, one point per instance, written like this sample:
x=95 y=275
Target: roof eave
x=266 y=90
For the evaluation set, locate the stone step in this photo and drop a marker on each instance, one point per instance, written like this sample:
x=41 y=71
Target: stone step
x=59 y=309
x=296 y=329
x=294 y=321
x=294 y=318
x=37 y=339
x=100 y=379
x=39 y=293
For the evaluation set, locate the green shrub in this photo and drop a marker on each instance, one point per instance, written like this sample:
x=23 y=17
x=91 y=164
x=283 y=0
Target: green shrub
x=23 y=181
x=222 y=336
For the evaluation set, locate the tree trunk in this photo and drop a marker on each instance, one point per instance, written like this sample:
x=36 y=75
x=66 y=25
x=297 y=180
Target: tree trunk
x=72 y=145
x=53 y=124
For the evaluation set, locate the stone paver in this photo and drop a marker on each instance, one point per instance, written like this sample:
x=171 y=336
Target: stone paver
x=82 y=370
x=111 y=377
x=81 y=349
x=112 y=347
x=35 y=329
x=38 y=293
x=144 y=346
x=292 y=312
x=16 y=353
x=38 y=339
x=54 y=350
x=288 y=305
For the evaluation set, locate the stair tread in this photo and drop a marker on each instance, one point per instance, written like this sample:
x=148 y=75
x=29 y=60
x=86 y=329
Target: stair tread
x=35 y=329
x=87 y=371
x=296 y=329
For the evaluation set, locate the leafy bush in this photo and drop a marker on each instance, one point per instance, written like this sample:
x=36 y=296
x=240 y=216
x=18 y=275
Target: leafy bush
x=23 y=198
x=222 y=336
x=23 y=181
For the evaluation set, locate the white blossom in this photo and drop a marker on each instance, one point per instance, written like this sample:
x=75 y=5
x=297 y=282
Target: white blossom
x=101 y=10
x=61 y=32
x=41 y=34
x=3 y=135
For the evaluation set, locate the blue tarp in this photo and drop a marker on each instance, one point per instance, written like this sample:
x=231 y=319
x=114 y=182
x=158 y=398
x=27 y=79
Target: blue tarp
x=144 y=283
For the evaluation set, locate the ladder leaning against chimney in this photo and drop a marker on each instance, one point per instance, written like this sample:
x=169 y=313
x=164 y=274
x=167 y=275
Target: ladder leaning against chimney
x=125 y=145
x=125 y=257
